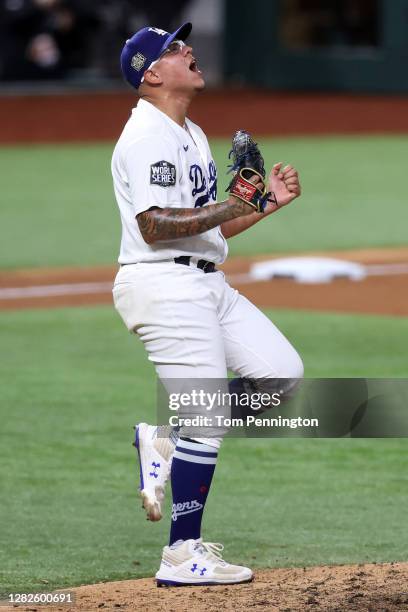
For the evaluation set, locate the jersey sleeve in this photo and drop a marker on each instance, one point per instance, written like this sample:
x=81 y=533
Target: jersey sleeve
x=153 y=172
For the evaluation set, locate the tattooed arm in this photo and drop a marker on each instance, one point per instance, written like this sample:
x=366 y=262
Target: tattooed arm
x=173 y=223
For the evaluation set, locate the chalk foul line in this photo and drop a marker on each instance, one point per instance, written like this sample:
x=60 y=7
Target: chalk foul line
x=93 y=288
x=40 y=291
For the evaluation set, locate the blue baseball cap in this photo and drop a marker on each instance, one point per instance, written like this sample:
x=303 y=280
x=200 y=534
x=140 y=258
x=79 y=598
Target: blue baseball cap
x=144 y=48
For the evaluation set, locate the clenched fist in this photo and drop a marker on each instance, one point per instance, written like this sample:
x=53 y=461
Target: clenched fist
x=284 y=186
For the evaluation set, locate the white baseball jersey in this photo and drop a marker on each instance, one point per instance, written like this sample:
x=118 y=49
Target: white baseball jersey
x=158 y=163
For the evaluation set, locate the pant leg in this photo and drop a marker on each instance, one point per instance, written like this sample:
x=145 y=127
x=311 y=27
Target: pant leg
x=174 y=311
x=254 y=346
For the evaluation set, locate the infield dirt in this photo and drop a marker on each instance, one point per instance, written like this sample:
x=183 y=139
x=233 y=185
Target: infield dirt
x=386 y=293
x=363 y=588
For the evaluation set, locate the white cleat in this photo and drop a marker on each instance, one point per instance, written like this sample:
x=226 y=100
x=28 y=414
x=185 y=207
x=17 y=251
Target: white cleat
x=155 y=455
x=194 y=562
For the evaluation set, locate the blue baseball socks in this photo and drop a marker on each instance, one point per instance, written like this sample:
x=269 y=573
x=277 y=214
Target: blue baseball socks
x=192 y=470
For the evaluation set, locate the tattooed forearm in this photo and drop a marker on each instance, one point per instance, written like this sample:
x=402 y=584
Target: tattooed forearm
x=174 y=223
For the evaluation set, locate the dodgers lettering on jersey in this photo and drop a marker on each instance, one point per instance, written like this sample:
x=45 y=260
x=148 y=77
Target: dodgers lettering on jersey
x=157 y=163
x=205 y=184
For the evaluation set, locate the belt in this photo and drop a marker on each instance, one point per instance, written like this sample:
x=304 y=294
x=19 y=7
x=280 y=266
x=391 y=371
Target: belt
x=202 y=264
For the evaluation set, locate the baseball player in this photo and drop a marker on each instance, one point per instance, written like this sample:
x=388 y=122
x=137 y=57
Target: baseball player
x=169 y=292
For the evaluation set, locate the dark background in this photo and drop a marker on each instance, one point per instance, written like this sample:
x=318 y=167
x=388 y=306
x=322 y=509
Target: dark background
x=335 y=45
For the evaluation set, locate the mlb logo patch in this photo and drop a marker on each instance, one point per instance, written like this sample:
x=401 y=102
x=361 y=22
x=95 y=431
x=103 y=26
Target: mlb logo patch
x=163 y=173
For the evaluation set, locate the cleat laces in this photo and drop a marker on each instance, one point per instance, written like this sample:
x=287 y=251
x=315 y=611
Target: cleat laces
x=211 y=551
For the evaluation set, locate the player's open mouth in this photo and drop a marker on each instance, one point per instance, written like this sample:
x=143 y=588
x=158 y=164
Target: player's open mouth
x=193 y=66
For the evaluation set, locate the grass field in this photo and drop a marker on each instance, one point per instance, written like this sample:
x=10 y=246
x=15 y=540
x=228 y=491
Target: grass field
x=74 y=382
x=60 y=208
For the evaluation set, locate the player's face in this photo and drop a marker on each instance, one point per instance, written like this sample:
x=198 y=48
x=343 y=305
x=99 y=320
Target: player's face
x=178 y=68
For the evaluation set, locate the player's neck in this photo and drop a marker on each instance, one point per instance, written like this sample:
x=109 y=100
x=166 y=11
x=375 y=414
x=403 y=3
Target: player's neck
x=175 y=107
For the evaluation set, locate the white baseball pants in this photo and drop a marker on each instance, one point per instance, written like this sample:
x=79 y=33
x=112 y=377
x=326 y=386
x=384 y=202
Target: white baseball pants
x=194 y=325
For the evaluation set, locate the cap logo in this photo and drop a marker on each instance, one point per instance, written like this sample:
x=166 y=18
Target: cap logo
x=138 y=61
x=158 y=31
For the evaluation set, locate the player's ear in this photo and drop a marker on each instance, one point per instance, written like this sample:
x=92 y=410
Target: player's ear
x=152 y=77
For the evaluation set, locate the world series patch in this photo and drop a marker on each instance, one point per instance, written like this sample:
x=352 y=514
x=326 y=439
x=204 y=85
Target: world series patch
x=163 y=173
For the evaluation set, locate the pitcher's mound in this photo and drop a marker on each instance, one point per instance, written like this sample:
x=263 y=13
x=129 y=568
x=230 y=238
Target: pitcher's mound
x=369 y=588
